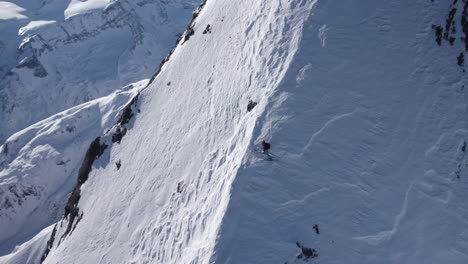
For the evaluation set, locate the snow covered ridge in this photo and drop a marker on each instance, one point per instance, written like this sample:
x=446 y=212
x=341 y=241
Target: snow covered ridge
x=38 y=165
x=71 y=61
x=77 y=7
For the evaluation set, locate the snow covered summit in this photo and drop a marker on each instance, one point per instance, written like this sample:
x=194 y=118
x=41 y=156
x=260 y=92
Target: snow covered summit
x=364 y=105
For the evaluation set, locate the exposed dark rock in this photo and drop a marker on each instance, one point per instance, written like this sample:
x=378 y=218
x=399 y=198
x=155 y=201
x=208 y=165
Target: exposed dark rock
x=448 y=23
x=119 y=134
x=316 y=229
x=180 y=187
x=70 y=129
x=438 y=33
x=127 y=112
x=459 y=167
x=448 y=33
x=34 y=46
x=33 y=63
x=40 y=72
x=71 y=209
x=306 y=253
x=21 y=194
x=251 y=105
x=207 y=29
x=8 y=107
x=50 y=243
x=188 y=33
x=6 y=204
x=461 y=59
x=464 y=23
x=5 y=148
x=95 y=150
x=77 y=221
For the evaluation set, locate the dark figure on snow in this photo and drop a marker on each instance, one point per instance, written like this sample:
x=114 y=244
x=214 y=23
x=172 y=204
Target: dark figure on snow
x=266 y=148
x=251 y=105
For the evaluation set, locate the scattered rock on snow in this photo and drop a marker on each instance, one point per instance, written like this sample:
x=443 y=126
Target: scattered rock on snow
x=207 y=29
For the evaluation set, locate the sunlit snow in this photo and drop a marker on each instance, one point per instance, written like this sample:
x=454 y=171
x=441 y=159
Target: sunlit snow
x=9 y=10
x=34 y=25
x=78 y=7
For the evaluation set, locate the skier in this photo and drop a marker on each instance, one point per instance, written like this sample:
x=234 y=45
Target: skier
x=266 y=148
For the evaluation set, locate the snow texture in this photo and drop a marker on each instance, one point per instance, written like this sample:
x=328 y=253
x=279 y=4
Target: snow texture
x=366 y=115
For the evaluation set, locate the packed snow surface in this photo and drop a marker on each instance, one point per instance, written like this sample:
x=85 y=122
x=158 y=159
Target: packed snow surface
x=9 y=10
x=366 y=115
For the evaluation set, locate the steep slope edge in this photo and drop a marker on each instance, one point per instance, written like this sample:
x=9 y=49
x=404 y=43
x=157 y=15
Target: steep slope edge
x=159 y=195
x=369 y=134
x=39 y=165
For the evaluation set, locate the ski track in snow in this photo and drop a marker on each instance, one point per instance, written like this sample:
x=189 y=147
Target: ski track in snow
x=322 y=129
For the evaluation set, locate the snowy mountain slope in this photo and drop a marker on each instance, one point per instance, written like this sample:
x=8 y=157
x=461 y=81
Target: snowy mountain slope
x=184 y=148
x=70 y=52
x=367 y=119
x=39 y=165
x=31 y=251
x=369 y=130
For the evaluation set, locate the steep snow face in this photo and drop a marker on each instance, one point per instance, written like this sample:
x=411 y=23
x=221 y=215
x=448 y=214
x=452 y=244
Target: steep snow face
x=367 y=119
x=369 y=131
x=64 y=53
x=166 y=199
x=39 y=165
